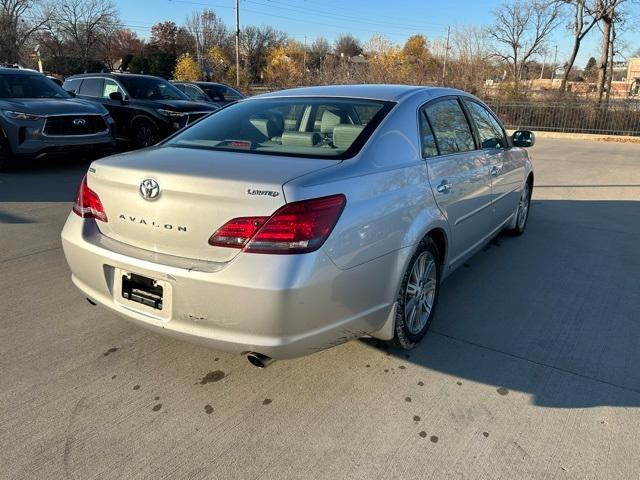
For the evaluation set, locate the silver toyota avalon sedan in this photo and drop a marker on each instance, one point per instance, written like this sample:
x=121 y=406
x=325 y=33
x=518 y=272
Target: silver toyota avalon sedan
x=294 y=221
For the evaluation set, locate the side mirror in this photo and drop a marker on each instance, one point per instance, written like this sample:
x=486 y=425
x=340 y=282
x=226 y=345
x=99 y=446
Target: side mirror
x=523 y=138
x=117 y=96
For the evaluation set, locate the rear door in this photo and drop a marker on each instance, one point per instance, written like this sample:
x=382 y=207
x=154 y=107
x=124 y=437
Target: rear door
x=458 y=172
x=505 y=169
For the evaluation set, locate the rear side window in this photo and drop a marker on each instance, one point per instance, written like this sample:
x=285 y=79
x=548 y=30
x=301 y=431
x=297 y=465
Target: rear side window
x=71 y=85
x=311 y=127
x=194 y=93
x=220 y=93
x=450 y=126
x=427 y=139
x=489 y=130
x=91 y=87
x=109 y=87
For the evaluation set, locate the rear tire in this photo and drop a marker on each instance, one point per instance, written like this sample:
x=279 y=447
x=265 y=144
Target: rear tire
x=522 y=213
x=418 y=296
x=145 y=134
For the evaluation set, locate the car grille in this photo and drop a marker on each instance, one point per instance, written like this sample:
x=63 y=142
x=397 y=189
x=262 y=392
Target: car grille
x=74 y=125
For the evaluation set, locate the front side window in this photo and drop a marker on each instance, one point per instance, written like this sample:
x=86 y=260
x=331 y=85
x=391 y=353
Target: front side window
x=307 y=127
x=450 y=126
x=91 y=87
x=489 y=130
x=151 y=88
x=29 y=86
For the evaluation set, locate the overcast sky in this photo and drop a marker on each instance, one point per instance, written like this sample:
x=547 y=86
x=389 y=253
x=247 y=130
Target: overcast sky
x=395 y=20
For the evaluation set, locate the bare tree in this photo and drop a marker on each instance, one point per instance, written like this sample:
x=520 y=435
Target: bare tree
x=208 y=30
x=19 y=20
x=610 y=13
x=471 y=59
x=585 y=16
x=521 y=29
x=318 y=51
x=82 y=25
x=348 y=46
x=255 y=45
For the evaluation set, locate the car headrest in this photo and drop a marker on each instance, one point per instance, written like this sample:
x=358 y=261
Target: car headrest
x=329 y=120
x=345 y=135
x=300 y=139
x=266 y=126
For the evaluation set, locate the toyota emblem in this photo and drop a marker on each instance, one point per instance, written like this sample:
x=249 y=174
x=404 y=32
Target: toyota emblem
x=149 y=189
x=79 y=122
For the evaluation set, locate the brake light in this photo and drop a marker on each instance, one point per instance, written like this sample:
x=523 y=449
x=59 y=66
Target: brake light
x=88 y=204
x=298 y=227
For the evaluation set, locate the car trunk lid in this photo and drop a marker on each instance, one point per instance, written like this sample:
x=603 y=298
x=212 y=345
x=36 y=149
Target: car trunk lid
x=198 y=192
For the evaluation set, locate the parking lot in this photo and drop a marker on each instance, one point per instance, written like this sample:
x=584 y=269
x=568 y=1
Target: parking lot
x=530 y=369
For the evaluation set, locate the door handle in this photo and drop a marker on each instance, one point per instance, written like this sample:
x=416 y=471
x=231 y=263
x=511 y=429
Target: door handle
x=495 y=170
x=444 y=187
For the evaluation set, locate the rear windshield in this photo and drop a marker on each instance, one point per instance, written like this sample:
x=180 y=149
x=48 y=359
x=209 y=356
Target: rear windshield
x=29 y=86
x=304 y=127
x=151 y=88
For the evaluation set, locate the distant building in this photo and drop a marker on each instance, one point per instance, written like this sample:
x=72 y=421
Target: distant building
x=633 y=76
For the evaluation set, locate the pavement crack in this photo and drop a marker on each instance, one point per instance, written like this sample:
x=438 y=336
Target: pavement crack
x=26 y=255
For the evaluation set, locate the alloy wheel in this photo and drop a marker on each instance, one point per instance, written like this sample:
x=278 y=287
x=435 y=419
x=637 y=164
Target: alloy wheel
x=523 y=207
x=420 y=293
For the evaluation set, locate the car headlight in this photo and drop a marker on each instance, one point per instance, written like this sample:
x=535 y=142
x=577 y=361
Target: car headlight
x=170 y=113
x=21 y=115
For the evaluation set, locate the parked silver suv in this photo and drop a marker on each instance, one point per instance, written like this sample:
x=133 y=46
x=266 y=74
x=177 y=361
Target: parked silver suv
x=38 y=118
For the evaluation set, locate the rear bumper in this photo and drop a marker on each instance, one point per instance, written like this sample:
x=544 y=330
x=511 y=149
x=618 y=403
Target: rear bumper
x=282 y=306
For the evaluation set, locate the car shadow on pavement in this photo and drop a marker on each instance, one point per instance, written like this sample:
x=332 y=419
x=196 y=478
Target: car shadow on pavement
x=554 y=313
x=47 y=180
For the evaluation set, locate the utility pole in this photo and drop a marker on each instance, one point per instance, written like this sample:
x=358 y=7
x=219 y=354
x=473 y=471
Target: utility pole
x=555 y=64
x=237 y=43
x=446 y=57
x=304 y=59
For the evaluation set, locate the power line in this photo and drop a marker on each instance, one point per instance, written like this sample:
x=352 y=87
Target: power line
x=343 y=27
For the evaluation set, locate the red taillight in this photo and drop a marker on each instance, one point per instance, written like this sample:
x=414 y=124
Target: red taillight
x=298 y=227
x=88 y=204
x=237 y=232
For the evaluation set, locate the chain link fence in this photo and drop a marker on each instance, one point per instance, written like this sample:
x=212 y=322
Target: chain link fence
x=617 y=118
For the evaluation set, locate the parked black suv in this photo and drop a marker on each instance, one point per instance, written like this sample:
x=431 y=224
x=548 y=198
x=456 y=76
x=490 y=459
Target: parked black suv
x=38 y=119
x=146 y=109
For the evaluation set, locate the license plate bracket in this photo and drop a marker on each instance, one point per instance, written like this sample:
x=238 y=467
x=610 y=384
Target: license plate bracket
x=143 y=290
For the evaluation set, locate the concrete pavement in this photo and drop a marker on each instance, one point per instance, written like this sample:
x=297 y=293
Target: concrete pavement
x=530 y=369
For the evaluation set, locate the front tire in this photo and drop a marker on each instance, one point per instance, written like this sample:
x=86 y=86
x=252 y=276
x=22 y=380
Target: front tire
x=145 y=134
x=522 y=213
x=6 y=158
x=418 y=296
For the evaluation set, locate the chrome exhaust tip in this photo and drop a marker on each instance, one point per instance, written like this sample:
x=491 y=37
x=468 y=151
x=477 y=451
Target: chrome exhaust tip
x=259 y=360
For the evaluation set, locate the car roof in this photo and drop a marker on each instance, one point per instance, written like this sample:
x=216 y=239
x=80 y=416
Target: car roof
x=19 y=71
x=112 y=75
x=394 y=93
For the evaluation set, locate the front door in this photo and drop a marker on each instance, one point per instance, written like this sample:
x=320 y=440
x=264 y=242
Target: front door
x=505 y=169
x=459 y=175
